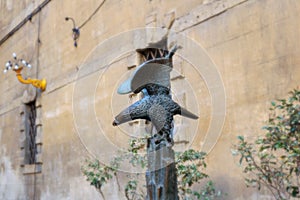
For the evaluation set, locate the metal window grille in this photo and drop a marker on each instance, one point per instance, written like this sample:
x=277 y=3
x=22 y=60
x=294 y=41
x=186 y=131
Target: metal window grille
x=151 y=53
x=31 y=150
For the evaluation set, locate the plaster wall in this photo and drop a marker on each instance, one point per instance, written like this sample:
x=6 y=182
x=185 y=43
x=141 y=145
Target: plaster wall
x=251 y=44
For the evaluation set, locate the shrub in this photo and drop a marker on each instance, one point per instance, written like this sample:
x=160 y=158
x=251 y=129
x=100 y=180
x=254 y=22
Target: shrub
x=273 y=160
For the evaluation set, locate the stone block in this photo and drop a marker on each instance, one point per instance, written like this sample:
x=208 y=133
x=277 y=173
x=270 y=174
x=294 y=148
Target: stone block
x=131 y=59
x=39 y=148
x=39 y=113
x=39 y=135
x=32 y=169
x=29 y=95
x=38 y=102
x=22 y=140
x=38 y=122
x=39 y=159
x=22 y=109
x=169 y=19
x=151 y=19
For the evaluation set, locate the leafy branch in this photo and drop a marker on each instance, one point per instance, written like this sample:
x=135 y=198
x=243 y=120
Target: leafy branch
x=273 y=160
x=190 y=165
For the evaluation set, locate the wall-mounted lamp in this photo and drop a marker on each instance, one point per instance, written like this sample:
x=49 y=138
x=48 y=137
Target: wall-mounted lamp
x=75 y=30
x=17 y=66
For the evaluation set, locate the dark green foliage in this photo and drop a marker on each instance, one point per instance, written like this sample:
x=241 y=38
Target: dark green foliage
x=135 y=157
x=189 y=164
x=209 y=192
x=131 y=190
x=97 y=174
x=273 y=160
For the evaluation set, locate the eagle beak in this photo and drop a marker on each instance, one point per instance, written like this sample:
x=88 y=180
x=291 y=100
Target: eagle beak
x=122 y=117
x=115 y=123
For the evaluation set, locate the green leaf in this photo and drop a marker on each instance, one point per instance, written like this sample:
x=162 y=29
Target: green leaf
x=273 y=103
x=241 y=159
x=241 y=138
x=273 y=159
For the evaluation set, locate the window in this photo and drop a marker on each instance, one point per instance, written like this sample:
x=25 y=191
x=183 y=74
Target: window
x=31 y=137
x=30 y=147
x=151 y=53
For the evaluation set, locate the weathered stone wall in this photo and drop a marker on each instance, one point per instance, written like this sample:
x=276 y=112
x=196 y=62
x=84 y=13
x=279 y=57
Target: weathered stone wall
x=250 y=46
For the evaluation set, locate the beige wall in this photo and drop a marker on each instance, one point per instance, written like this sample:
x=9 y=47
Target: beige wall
x=249 y=46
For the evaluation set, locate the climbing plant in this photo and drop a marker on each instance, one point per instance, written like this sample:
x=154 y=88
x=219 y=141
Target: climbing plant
x=190 y=165
x=273 y=160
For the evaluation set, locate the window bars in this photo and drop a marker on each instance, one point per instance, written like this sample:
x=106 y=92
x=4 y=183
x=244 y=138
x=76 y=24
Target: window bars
x=31 y=148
